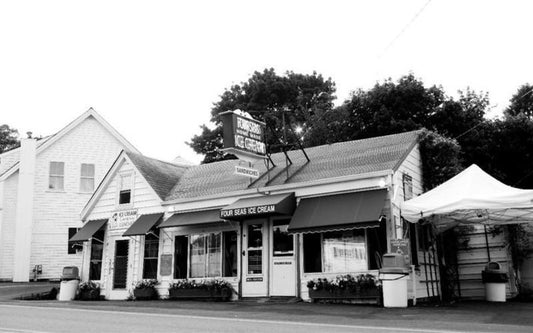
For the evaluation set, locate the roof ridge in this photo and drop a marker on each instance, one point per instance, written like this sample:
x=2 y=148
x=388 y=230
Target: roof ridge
x=157 y=160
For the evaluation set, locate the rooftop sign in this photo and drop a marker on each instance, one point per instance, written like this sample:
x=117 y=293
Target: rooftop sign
x=242 y=133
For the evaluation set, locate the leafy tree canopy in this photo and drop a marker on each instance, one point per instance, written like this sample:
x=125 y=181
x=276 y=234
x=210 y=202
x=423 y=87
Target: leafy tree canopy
x=267 y=96
x=8 y=138
x=521 y=102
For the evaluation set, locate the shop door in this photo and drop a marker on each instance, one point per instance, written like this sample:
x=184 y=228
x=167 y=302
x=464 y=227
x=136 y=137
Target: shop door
x=120 y=271
x=254 y=280
x=283 y=261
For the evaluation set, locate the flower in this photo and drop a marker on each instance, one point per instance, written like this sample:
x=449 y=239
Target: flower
x=145 y=284
x=211 y=284
x=345 y=282
x=89 y=285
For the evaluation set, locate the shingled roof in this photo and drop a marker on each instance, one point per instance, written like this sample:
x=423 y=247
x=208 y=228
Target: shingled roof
x=327 y=161
x=161 y=176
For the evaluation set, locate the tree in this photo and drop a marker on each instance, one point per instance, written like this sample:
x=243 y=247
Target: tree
x=8 y=138
x=270 y=97
x=521 y=102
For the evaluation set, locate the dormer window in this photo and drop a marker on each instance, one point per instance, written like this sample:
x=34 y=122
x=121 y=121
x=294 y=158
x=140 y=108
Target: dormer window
x=124 y=196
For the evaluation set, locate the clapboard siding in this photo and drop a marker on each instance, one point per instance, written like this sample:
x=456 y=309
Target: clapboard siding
x=8 y=216
x=55 y=212
x=472 y=257
x=144 y=201
x=8 y=159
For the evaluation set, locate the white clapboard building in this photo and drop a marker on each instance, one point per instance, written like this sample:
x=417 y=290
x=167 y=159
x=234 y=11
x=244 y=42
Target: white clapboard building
x=44 y=184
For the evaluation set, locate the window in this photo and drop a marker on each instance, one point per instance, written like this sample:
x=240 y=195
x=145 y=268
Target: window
x=335 y=252
x=87 y=178
x=407 y=187
x=125 y=189
x=211 y=255
x=57 y=176
x=181 y=249
x=151 y=253
x=72 y=246
x=97 y=250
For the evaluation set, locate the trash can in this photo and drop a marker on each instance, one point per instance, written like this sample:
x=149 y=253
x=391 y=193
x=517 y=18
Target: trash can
x=495 y=280
x=70 y=279
x=394 y=275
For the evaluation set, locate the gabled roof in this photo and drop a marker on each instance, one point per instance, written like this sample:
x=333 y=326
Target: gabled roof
x=328 y=161
x=161 y=176
x=50 y=140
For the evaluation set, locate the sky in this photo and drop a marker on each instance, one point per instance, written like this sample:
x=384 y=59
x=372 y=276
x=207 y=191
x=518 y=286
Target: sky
x=153 y=69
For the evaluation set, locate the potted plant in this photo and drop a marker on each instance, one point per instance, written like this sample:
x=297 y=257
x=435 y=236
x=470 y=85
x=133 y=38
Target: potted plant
x=345 y=287
x=208 y=289
x=89 y=291
x=145 y=289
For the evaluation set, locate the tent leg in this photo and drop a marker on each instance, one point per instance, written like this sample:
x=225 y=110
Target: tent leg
x=487 y=242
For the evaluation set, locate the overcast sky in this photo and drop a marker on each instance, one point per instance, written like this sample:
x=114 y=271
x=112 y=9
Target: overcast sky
x=154 y=68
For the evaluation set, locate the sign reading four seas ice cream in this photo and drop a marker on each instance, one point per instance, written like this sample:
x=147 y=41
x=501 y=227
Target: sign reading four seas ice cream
x=243 y=133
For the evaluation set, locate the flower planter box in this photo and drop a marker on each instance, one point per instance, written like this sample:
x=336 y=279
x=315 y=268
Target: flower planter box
x=371 y=294
x=90 y=295
x=223 y=294
x=144 y=293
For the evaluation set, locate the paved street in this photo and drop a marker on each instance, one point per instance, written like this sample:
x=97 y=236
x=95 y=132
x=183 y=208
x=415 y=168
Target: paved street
x=167 y=316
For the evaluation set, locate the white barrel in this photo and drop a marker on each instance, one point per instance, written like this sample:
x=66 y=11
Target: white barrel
x=495 y=292
x=68 y=289
x=394 y=290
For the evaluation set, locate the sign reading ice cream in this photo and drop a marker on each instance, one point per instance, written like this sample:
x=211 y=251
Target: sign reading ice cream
x=123 y=219
x=243 y=133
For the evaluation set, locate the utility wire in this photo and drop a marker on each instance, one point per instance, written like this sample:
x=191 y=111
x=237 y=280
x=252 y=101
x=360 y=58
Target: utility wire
x=404 y=29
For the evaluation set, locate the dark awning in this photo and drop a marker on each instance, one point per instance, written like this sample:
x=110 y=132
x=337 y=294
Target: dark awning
x=192 y=218
x=143 y=224
x=338 y=212
x=279 y=204
x=88 y=230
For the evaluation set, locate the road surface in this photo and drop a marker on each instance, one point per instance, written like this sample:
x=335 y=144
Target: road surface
x=46 y=317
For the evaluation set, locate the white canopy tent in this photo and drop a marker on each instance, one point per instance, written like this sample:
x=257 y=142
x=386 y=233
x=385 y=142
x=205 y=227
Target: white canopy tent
x=472 y=196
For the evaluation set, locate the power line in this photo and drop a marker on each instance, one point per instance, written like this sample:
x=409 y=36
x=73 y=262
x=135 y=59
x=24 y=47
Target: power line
x=404 y=28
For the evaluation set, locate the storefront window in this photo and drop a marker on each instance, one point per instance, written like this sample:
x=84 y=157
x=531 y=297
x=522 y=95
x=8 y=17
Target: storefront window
x=230 y=253
x=344 y=251
x=335 y=252
x=181 y=247
x=151 y=253
x=283 y=241
x=198 y=256
x=213 y=255
x=312 y=253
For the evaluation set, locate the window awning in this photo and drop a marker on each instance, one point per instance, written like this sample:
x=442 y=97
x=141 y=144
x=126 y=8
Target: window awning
x=88 y=230
x=279 y=204
x=143 y=224
x=338 y=212
x=192 y=218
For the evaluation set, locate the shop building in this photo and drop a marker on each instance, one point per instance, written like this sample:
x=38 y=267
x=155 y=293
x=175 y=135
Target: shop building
x=43 y=186
x=336 y=213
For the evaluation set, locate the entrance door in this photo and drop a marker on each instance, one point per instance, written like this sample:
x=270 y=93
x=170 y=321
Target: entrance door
x=116 y=285
x=283 y=261
x=120 y=271
x=254 y=281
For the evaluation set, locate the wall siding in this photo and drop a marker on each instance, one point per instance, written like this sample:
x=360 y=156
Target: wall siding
x=145 y=201
x=55 y=212
x=7 y=232
x=473 y=257
x=427 y=276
